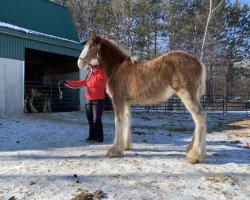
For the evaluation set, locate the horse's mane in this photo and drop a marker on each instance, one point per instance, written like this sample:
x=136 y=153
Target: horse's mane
x=119 y=49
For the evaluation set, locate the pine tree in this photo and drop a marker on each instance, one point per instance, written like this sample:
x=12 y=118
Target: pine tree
x=237 y=40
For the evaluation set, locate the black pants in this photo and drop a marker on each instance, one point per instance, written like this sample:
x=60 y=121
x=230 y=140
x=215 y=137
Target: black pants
x=94 y=110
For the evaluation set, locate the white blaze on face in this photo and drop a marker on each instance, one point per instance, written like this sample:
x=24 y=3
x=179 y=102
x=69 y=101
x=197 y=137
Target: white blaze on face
x=80 y=63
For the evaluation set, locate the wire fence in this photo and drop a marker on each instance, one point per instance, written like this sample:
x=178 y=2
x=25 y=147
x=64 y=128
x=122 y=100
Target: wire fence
x=42 y=92
x=70 y=101
x=213 y=103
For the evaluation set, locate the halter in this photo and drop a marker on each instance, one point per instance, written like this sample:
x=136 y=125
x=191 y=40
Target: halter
x=97 y=56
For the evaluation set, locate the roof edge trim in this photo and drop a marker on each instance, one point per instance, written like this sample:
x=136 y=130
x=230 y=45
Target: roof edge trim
x=61 y=43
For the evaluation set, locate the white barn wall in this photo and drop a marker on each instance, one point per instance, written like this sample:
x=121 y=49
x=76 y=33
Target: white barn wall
x=11 y=86
x=2 y=87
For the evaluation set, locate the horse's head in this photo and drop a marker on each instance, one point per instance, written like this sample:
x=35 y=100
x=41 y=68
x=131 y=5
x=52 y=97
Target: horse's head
x=89 y=55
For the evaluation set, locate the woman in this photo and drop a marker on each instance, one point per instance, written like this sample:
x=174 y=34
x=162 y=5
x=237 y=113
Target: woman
x=95 y=83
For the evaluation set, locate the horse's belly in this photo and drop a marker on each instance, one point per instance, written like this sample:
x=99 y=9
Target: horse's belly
x=150 y=97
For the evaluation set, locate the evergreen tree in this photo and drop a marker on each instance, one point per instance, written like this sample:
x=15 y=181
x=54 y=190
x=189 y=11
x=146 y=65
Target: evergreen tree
x=237 y=41
x=148 y=28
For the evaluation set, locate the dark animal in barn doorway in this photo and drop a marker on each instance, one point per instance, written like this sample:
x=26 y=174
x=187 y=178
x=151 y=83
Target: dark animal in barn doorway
x=36 y=101
x=144 y=82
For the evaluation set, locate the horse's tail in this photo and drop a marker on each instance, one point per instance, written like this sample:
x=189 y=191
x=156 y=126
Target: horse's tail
x=202 y=86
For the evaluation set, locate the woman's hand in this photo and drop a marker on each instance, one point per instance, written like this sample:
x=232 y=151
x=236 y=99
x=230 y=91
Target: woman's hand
x=64 y=82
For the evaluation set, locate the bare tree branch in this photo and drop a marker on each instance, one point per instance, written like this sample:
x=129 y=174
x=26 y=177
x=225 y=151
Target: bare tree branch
x=210 y=13
x=208 y=20
x=217 y=6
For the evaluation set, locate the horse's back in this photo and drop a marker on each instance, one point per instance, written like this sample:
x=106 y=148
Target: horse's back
x=172 y=61
x=181 y=60
x=153 y=80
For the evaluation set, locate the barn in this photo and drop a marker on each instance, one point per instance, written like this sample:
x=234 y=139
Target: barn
x=39 y=46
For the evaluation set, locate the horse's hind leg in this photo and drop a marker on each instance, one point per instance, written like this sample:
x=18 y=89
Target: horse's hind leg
x=118 y=145
x=197 y=149
x=126 y=133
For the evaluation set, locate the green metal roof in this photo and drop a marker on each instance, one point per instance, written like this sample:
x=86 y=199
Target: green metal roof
x=42 y=16
x=36 y=24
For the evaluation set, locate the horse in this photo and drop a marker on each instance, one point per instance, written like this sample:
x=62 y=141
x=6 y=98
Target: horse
x=37 y=99
x=130 y=81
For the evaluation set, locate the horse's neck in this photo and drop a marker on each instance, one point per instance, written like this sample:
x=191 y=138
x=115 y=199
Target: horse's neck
x=107 y=68
x=110 y=68
x=111 y=61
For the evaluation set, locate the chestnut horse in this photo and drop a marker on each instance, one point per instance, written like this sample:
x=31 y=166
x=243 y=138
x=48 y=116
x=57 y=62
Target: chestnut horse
x=144 y=82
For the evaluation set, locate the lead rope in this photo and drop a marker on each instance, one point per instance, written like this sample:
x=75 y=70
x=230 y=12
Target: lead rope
x=60 y=93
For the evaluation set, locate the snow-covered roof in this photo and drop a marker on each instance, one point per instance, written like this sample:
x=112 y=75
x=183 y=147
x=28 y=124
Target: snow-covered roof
x=3 y=24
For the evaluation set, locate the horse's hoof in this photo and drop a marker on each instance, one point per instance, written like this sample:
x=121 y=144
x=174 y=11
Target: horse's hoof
x=195 y=156
x=128 y=147
x=193 y=160
x=114 y=153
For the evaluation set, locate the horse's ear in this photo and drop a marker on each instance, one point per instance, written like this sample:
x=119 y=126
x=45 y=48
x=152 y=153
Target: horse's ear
x=92 y=35
x=95 y=38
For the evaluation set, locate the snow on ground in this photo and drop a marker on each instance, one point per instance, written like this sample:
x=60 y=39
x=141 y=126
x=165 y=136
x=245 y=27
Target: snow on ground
x=40 y=153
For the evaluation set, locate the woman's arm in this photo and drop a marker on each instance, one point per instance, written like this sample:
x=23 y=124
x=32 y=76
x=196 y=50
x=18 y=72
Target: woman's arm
x=75 y=84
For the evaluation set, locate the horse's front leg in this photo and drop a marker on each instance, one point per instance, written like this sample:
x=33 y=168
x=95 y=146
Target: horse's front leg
x=32 y=108
x=118 y=145
x=25 y=105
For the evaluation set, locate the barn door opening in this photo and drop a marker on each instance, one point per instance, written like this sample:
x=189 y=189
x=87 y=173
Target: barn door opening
x=43 y=70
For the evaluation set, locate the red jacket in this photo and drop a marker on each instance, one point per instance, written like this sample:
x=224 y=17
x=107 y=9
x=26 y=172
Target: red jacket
x=95 y=83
